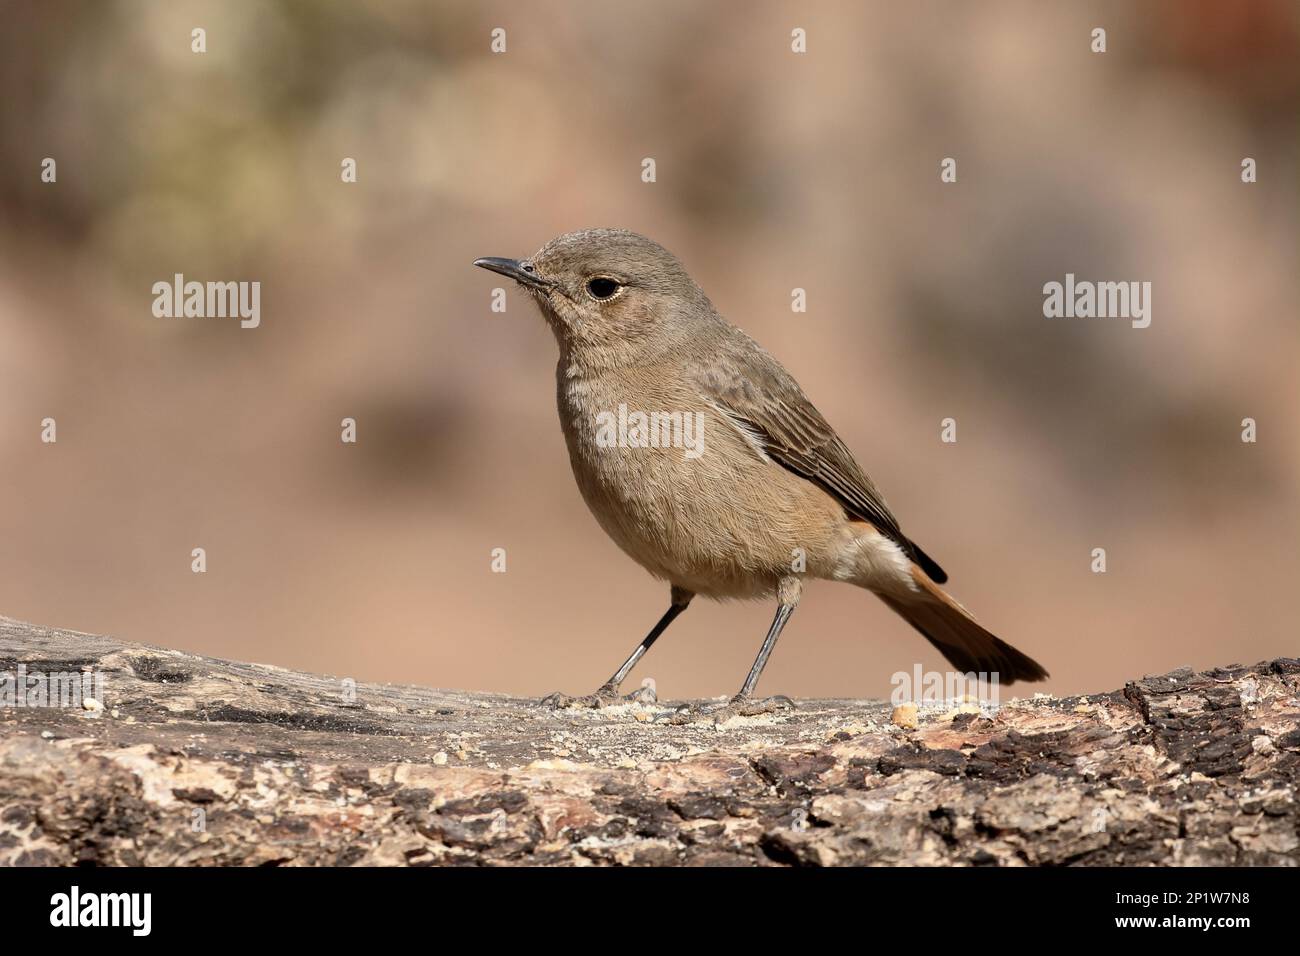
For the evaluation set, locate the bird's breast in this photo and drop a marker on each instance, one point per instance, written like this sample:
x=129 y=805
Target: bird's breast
x=681 y=490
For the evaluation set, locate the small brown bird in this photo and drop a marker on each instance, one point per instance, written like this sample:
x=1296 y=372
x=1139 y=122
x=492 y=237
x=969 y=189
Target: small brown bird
x=700 y=456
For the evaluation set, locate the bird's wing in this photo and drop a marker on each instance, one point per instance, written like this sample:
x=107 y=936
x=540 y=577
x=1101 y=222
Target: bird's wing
x=764 y=400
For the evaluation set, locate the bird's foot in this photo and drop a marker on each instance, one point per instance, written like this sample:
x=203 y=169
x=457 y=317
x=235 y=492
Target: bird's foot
x=738 y=706
x=645 y=694
x=606 y=696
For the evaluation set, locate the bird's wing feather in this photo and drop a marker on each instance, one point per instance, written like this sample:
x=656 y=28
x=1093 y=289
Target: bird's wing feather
x=754 y=390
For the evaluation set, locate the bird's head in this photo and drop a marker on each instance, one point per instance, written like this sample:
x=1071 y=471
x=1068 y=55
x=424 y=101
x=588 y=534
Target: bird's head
x=609 y=292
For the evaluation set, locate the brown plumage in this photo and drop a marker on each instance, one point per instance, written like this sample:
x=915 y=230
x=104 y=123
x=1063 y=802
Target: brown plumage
x=773 y=495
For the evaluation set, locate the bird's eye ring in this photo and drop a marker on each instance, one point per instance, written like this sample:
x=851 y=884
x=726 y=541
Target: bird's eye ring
x=602 y=288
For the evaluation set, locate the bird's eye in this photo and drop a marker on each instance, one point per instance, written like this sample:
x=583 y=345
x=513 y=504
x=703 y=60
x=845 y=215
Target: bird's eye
x=602 y=287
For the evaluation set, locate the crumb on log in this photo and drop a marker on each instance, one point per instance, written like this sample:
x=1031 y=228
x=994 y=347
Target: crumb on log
x=191 y=760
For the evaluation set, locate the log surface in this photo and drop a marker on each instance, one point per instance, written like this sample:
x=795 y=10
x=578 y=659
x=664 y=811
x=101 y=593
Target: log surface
x=191 y=760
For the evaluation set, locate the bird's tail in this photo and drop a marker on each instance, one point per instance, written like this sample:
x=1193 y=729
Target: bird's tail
x=958 y=637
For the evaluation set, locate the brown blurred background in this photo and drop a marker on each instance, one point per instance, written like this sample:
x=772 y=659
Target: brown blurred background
x=775 y=170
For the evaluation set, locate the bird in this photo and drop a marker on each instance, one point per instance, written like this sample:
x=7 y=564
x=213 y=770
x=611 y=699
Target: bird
x=744 y=490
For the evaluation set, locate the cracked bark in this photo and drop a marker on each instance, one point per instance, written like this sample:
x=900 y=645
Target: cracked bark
x=200 y=761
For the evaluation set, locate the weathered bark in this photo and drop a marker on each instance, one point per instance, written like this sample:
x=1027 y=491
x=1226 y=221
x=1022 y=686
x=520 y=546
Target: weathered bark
x=194 y=760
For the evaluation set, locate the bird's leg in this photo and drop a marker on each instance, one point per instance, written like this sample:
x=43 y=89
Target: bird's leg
x=744 y=704
x=608 y=691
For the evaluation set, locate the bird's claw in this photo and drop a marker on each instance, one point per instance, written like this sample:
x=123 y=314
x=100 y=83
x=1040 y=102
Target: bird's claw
x=645 y=694
x=606 y=696
x=560 y=701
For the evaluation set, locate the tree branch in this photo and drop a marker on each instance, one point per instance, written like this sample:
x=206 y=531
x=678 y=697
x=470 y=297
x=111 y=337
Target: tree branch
x=193 y=760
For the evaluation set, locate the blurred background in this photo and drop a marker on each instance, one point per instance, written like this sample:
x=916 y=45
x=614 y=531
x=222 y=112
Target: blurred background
x=774 y=171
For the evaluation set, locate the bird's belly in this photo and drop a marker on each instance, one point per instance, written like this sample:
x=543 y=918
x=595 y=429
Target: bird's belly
x=713 y=517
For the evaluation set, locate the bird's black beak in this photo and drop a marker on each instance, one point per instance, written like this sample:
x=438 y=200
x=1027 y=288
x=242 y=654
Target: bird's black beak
x=521 y=272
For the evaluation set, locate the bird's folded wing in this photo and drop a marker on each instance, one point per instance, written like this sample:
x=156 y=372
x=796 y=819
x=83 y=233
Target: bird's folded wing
x=765 y=401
